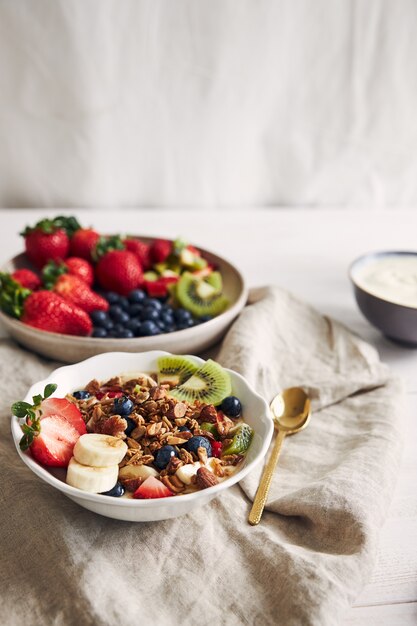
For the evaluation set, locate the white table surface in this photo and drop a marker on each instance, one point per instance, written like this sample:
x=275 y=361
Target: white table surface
x=307 y=252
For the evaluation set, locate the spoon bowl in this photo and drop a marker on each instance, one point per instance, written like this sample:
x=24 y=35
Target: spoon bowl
x=291 y=410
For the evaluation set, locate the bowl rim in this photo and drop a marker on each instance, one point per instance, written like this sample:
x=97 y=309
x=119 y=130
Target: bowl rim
x=231 y=312
x=367 y=257
x=74 y=492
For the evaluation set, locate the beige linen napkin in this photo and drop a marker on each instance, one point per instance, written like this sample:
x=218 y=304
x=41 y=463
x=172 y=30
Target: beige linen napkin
x=303 y=564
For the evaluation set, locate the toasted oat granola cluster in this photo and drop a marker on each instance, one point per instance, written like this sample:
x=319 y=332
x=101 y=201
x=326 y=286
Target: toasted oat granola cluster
x=162 y=433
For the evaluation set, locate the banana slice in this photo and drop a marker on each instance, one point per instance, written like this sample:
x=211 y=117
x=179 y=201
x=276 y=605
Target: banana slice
x=186 y=472
x=92 y=479
x=137 y=471
x=99 y=450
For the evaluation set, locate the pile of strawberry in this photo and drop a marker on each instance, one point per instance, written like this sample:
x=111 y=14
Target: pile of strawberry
x=71 y=265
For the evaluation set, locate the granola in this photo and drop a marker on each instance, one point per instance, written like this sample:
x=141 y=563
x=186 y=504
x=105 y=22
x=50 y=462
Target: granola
x=185 y=446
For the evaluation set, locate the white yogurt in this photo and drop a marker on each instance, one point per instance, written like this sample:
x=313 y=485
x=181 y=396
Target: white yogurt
x=392 y=277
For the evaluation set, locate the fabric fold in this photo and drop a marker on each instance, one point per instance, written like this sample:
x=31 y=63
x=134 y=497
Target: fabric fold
x=305 y=562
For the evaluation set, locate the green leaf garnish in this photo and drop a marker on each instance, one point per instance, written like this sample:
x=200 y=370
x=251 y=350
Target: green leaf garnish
x=32 y=412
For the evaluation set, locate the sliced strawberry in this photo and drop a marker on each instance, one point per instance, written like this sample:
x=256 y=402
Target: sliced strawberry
x=160 y=250
x=204 y=272
x=55 y=442
x=152 y=488
x=66 y=409
x=216 y=448
x=159 y=288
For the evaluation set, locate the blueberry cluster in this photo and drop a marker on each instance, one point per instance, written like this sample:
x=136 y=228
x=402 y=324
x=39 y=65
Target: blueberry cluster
x=139 y=316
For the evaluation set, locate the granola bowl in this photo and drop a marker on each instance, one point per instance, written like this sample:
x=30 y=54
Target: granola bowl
x=103 y=367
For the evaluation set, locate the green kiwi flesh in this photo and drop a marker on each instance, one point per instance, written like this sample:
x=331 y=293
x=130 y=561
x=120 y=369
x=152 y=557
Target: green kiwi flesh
x=175 y=369
x=209 y=384
x=200 y=297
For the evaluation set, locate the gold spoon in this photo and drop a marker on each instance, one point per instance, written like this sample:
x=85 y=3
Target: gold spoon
x=291 y=411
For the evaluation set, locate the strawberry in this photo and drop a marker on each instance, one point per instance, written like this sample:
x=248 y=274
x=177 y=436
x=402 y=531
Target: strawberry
x=159 y=288
x=50 y=435
x=45 y=242
x=216 y=448
x=141 y=250
x=74 y=266
x=119 y=271
x=27 y=278
x=83 y=243
x=81 y=268
x=66 y=409
x=160 y=250
x=49 y=311
x=55 y=442
x=152 y=488
x=76 y=291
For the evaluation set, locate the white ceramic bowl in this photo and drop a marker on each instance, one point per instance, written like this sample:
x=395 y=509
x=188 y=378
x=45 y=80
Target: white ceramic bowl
x=69 y=349
x=104 y=366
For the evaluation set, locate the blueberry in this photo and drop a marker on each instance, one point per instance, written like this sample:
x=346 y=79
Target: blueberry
x=161 y=325
x=126 y=333
x=99 y=333
x=124 y=303
x=149 y=313
x=112 y=334
x=167 y=318
x=135 y=310
x=184 y=429
x=168 y=310
x=123 y=406
x=231 y=406
x=185 y=324
x=97 y=317
x=149 y=328
x=205 y=318
x=182 y=315
x=196 y=442
x=82 y=394
x=108 y=324
x=117 y=491
x=133 y=324
x=137 y=296
x=153 y=302
x=111 y=297
x=131 y=425
x=163 y=456
x=118 y=315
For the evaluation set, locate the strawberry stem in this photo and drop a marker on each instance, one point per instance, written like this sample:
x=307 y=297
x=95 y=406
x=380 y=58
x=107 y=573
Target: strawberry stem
x=107 y=244
x=51 y=272
x=49 y=226
x=12 y=296
x=32 y=413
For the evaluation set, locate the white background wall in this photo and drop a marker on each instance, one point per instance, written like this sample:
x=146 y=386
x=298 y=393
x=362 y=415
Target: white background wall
x=210 y=103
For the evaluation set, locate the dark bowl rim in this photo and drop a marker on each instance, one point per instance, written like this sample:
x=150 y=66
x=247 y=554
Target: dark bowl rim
x=378 y=254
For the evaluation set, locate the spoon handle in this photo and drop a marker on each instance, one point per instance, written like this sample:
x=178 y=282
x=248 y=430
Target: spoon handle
x=266 y=479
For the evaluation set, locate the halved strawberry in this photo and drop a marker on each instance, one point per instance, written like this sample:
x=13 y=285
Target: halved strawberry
x=55 y=442
x=66 y=409
x=152 y=488
x=159 y=288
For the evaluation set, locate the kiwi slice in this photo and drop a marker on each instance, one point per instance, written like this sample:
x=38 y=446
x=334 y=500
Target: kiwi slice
x=199 y=297
x=241 y=440
x=175 y=369
x=215 y=280
x=209 y=384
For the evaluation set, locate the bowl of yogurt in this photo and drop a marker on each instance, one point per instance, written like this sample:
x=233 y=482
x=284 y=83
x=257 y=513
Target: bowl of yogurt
x=385 y=287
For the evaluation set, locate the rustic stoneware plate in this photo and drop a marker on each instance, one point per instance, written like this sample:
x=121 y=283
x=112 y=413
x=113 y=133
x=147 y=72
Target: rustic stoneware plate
x=69 y=349
x=255 y=412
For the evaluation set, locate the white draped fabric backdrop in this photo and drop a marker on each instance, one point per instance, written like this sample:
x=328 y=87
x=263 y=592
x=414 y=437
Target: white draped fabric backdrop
x=208 y=103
